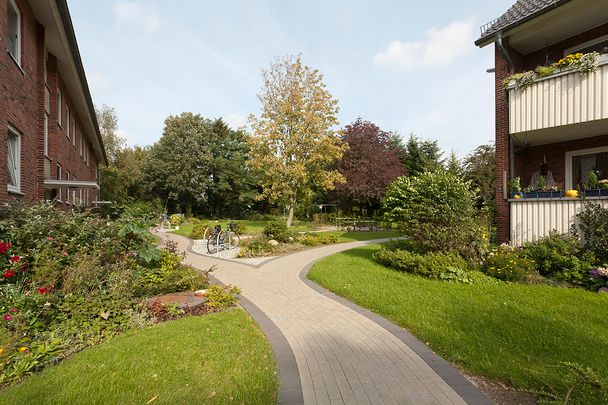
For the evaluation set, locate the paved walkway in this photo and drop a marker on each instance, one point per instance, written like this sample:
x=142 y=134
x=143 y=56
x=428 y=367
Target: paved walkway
x=343 y=354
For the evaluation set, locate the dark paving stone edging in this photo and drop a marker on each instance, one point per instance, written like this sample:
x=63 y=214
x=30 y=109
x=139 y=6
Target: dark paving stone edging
x=469 y=392
x=290 y=385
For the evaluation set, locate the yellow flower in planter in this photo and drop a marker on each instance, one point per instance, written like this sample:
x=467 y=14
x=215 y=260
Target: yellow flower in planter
x=572 y=193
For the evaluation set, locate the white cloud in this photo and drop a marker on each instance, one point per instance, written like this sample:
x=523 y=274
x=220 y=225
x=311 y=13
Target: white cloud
x=235 y=121
x=133 y=14
x=439 y=47
x=98 y=83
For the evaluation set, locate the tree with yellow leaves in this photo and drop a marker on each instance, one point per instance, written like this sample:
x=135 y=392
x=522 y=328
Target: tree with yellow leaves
x=294 y=144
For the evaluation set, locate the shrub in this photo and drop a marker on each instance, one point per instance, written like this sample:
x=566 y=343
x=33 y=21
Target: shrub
x=239 y=228
x=593 y=230
x=221 y=296
x=508 y=265
x=255 y=247
x=278 y=231
x=598 y=279
x=559 y=257
x=436 y=211
x=176 y=219
x=316 y=239
x=198 y=231
x=430 y=265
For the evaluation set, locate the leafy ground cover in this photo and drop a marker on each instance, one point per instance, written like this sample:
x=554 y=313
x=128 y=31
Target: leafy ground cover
x=537 y=338
x=215 y=359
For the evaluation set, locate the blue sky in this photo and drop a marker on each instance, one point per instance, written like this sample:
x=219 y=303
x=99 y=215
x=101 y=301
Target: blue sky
x=407 y=66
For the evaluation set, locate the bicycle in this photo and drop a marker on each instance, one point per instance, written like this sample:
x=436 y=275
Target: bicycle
x=223 y=239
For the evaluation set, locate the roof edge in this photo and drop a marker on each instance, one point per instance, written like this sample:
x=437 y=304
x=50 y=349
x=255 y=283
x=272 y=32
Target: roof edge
x=486 y=39
x=66 y=19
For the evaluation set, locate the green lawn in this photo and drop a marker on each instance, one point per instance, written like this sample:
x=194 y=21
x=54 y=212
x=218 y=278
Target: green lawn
x=350 y=236
x=509 y=332
x=214 y=359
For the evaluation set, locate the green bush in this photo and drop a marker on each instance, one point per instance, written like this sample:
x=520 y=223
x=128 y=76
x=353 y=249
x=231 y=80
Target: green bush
x=430 y=265
x=221 y=296
x=278 y=231
x=508 y=265
x=255 y=247
x=593 y=230
x=198 y=231
x=317 y=239
x=559 y=257
x=436 y=211
x=239 y=228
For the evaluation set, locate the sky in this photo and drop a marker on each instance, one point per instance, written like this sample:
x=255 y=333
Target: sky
x=408 y=66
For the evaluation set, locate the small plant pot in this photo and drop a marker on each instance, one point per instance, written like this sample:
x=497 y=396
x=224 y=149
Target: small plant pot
x=200 y=293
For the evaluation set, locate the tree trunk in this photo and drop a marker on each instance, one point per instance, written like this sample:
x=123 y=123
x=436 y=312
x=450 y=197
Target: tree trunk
x=290 y=215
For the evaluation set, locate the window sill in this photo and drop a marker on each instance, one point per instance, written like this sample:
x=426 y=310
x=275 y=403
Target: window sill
x=14 y=191
x=16 y=63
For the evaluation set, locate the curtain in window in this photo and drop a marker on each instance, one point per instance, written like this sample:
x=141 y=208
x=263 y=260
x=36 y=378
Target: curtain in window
x=13 y=155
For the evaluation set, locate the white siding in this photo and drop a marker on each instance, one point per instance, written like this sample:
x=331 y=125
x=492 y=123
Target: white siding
x=533 y=219
x=566 y=98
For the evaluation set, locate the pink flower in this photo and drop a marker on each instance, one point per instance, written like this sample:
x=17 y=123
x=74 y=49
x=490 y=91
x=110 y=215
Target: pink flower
x=8 y=317
x=14 y=259
x=49 y=238
x=9 y=274
x=65 y=254
x=14 y=310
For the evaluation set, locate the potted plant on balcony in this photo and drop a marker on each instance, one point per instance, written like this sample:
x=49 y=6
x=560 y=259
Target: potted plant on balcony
x=516 y=188
x=594 y=187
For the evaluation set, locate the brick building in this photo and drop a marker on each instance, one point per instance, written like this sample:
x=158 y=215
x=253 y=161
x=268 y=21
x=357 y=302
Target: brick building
x=50 y=144
x=555 y=127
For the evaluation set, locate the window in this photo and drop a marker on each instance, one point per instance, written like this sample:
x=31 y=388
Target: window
x=595 y=45
x=14 y=31
x=580 y=162
x=46 y=134
x=73 y=134
x=14 y=161
x=74 y=201
x=81 y=145
x=68 y=200
x=67 y=121
x=60 y=190
x=59 y=107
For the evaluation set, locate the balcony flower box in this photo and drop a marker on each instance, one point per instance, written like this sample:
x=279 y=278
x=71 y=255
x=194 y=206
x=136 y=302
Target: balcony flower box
x=538 y=194
x=595 y=193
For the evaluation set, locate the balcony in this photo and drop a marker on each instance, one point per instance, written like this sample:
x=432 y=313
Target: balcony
x=551 y=104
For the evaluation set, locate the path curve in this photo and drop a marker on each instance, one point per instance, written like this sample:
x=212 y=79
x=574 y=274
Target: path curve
x=344 y=354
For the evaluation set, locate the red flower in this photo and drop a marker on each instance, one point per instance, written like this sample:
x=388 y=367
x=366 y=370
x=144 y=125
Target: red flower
x=9 y=274
x=23 y=268
x=14 y=259
x=42 y=290
x=8 y=317
x=14 y=310
x=49 y=238
x=66 y=254
x=4 y=247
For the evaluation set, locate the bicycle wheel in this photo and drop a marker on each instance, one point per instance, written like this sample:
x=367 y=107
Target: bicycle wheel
x=234 y=239
x=207 y=233
x=212 y=242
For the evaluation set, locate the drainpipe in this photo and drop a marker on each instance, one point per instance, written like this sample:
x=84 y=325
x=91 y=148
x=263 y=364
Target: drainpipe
x=511 y=66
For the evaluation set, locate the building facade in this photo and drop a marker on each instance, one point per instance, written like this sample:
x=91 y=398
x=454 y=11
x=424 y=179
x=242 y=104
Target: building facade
x=50 y=144
x=552 y=121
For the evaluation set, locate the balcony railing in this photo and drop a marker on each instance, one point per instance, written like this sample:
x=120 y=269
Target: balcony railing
x=564 y=98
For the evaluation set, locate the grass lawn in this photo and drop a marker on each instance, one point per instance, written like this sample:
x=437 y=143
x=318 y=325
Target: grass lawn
x=213 y=359
x=344 y=237
x=509 y=332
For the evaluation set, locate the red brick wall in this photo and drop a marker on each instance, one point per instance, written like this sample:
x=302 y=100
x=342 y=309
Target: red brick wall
x=19 y=102
x=528 y=160
x=22 y=106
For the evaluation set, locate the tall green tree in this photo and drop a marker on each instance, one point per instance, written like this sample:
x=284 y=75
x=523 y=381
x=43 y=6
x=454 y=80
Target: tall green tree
x=294 y=143
x=108 y=127
x=421 y=156
x=454 y=166
x=233 y=186
x=480 y=170
x=179 y=164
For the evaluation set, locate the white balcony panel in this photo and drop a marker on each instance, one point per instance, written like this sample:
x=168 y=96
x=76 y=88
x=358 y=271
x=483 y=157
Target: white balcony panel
x=563 y=99
x=534 y=219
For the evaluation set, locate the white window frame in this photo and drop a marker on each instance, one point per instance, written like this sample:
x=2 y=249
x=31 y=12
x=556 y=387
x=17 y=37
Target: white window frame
x=591 y=42
x=74 y=202
x=571 y=154
x=46 y=134
x=17 y=57
x=59 y=107
x=67 y=121
x=81 y=145
x=59 y=177
x=67 y=190
x=73 y=135
x=10 y=188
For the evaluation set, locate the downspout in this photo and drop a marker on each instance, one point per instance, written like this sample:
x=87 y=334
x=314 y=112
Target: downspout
x=511 y=66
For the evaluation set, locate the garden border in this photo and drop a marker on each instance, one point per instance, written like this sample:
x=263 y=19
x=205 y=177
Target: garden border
x=450 y=374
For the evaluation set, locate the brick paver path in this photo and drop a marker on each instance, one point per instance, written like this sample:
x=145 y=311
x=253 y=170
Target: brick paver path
x=342 y=356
